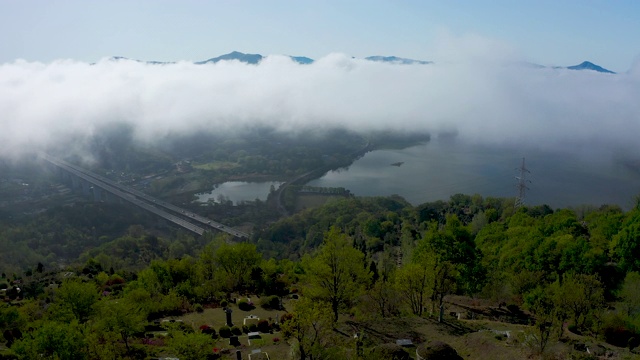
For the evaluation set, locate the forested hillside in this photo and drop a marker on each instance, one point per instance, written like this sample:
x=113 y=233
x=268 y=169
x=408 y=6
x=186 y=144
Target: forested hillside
x=487 y=278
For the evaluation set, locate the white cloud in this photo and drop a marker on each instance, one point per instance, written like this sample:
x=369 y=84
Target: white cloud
x=478 y=95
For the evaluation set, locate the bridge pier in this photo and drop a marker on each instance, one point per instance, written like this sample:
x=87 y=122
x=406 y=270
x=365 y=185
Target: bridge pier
x=97 y=193
x=75 y=182
x=86 y=187
x=109 y=198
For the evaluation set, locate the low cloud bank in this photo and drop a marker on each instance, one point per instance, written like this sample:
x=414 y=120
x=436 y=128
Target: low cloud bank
x=491 y=101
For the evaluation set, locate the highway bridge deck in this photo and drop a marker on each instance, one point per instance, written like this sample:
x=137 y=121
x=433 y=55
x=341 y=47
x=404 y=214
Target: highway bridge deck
x=177 y=215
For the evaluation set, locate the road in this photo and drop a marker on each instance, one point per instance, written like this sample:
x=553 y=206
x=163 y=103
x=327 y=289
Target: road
x=306 y=177
x=177 y=215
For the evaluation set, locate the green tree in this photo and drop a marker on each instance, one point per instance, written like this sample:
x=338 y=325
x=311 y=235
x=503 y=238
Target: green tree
x=453 y=243
x=191 y=346
x=414 y=281
x=309 y=327
x=444 y=283
x=541 y=304
x=626 y=244
x=579 y=295
x=10 y=323
x=9 y=317
x=148 y=280
x=337 y=273
x=121 y=317
x=630 y=294
x=384 y=295
x=237 y=261
x=143 y=299
x=207 y=271
x=53 y=340
x=77 y=297
x=162 y=272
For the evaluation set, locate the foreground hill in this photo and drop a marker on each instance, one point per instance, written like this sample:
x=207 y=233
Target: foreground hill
x=354 y=278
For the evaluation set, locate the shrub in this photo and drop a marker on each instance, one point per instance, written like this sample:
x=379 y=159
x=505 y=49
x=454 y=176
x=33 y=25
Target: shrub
x=224 y=331
x=206 y=329
x=244 y=305
x=115 y=279
x=389 y=352
x=263 y=326
x=185 y=328
x=236 y=330
x=286 y=317
x=253 y=327
x=138 y=351
x=513 y=308
x=437 y=350
x=270 y=302
x=224 y=303
x=616 y=331
x=246 y=329
x=152 y=341
x=574 y=329
x=198 y=308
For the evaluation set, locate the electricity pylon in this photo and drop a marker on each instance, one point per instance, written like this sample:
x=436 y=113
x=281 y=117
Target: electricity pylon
x=522 y=184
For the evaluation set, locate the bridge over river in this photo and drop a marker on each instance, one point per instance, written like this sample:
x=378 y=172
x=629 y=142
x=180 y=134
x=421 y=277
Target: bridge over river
x=99 y=186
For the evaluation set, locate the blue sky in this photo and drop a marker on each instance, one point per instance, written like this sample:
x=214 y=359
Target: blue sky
x=559 y=32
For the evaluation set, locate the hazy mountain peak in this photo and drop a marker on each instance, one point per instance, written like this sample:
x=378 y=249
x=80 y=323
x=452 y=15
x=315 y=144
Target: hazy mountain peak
x=301 y=59
x=235 y=55
x=253 y=59
x=587 y=65
x=397 y=60
x=152 y=62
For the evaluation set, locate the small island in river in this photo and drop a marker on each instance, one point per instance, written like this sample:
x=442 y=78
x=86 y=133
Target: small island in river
x=398 y=164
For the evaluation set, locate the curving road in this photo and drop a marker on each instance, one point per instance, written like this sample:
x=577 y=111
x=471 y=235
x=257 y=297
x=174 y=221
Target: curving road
x=177 y=215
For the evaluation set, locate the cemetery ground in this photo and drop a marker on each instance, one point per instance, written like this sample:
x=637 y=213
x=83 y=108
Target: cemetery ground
x=479 y=331
x=271 y=342
x=475 y=329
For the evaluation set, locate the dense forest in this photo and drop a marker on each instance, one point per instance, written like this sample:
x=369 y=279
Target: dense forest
x=475 y=276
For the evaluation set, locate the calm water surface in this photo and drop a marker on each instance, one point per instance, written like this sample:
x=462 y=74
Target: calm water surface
x=238 y=191
x=436 y=170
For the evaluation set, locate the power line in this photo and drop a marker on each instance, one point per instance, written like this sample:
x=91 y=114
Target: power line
x=522 y=184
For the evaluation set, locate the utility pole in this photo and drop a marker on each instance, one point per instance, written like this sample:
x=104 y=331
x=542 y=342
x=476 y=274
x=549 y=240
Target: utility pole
x=522 y=184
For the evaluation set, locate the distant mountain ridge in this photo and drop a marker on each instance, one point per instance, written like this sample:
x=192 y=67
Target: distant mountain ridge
x=255 y=59
x=397 y=60
x=152 y=62
x=586 y=65
x=252 y=59
x=235 y=55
